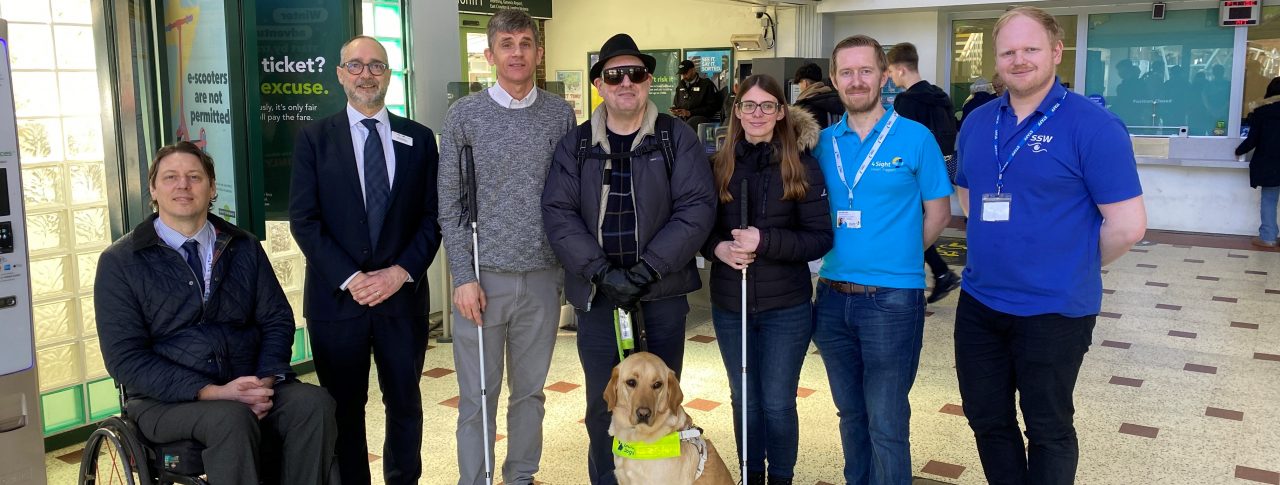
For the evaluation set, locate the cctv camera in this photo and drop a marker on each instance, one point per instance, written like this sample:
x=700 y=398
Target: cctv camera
x=759 y=11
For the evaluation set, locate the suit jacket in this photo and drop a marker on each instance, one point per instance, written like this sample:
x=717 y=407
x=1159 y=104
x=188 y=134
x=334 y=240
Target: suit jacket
x=327 y=218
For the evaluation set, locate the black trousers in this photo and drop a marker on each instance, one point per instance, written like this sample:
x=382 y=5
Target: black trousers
x=937 y=265
x=399 y=346
x=301 y=421
x=1038 y=356
x=664 y=322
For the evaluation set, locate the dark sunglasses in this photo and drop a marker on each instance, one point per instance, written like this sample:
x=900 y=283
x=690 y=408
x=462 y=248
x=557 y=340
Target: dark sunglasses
x=613 y=76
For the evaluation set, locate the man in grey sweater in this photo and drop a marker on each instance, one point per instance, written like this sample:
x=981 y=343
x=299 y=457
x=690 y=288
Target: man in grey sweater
x=512 y=128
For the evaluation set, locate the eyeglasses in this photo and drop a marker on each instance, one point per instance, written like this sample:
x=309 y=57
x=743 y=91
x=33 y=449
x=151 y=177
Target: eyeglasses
x=613 y=76
x=357 y=67
x=767 y=107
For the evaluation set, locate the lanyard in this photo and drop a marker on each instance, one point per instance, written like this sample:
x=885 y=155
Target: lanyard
x=1000 y=168
x=866 y=162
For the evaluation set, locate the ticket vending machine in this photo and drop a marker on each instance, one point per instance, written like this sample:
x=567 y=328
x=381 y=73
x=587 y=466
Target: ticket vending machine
x=21 y=439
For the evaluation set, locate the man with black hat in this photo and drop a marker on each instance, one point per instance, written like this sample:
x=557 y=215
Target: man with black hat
x=628 y=202
x=697 y=99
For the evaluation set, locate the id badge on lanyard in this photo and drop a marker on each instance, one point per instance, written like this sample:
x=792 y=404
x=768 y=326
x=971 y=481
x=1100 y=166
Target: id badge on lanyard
x=997 y=207
x=850 y=218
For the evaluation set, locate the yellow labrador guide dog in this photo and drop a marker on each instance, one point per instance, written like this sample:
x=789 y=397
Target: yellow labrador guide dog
x=655 y=442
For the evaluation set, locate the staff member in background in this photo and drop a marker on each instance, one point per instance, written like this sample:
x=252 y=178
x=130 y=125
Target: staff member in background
x=362 y=207
x=1044 y=171
x=790 y=225
x=697 y=99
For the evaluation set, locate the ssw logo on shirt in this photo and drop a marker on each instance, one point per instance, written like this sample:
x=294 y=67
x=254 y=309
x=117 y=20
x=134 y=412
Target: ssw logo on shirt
x=1038 y=143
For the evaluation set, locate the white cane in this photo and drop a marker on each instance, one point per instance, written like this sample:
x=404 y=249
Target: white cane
x=472 y=208
x=745 y=213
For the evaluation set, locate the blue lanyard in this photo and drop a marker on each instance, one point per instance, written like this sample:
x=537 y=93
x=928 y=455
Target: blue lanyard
x=1000 y=168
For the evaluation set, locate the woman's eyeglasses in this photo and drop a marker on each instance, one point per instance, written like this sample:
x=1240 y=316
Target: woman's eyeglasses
x=767 y=107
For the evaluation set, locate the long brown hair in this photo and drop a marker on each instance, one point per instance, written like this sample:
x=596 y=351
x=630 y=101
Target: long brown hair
x=793 y=176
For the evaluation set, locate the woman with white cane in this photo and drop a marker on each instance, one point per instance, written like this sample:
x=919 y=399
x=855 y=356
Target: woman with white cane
x=773 y=218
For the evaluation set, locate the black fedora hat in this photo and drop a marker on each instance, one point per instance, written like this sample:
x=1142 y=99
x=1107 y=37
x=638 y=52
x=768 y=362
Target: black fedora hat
x=621 y=45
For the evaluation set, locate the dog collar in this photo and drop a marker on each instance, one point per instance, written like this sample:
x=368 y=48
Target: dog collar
x=665 y=447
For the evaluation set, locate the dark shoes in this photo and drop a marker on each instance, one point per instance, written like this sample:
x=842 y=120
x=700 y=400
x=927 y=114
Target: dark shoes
x=942 y=285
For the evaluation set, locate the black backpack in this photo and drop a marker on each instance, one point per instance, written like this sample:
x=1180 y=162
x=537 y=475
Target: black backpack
x=662 y=128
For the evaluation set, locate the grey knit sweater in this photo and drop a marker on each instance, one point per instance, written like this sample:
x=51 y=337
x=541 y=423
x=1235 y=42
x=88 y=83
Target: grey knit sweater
x=512 y=150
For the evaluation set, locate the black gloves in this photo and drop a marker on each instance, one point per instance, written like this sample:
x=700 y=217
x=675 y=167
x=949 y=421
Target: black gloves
x=625 y=287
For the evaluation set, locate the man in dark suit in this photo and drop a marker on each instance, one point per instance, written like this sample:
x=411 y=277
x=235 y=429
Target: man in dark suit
x=363 y=209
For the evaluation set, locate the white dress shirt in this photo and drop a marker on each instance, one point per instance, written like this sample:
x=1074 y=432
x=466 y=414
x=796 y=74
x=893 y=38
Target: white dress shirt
x=505 y=100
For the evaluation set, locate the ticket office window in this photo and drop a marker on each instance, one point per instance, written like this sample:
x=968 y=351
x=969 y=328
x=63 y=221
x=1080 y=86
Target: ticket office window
x=1160 y=75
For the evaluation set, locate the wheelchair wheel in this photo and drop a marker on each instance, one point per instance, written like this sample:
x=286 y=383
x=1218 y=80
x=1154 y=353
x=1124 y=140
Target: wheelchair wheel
x=113 y=456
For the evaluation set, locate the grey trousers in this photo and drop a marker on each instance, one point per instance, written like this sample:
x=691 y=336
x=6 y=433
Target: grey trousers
x=520 y=323
x=301 y=417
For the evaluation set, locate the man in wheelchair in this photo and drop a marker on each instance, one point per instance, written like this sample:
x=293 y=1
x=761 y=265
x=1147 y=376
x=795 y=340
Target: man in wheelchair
x=195 y=327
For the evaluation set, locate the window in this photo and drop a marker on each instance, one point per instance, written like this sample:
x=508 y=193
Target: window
x=1262 y=60
x=1158 y=75
x=60 y=137
x=975 y=54
x=384 y=20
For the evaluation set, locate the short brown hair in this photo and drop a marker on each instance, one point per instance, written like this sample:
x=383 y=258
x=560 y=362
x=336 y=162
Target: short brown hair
x=860 y=41
x=1045 y=19
x=904 y=54
x=511 y=21
x=206 y=163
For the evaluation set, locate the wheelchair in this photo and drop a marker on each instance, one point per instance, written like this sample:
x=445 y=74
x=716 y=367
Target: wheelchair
x=117 y=454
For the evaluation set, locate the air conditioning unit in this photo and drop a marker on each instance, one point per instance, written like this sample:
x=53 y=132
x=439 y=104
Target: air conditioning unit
x=748 y=42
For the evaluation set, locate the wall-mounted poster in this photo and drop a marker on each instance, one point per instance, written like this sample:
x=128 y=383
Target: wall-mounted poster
x=715 y=63
x=573 y=92
x=663 y=90
x=195 y=43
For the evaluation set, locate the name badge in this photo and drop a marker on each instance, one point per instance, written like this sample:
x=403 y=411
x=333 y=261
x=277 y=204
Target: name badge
x=995 y=207
x=399 y=138
x=696 y=89
x=848 y=219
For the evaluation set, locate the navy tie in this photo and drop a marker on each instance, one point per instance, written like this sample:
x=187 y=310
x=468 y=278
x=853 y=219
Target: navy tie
x=377 y=184
x=192 y=249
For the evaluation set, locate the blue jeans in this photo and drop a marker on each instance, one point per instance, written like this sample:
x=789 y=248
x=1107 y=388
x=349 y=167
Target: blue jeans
x=1268 y=230
x=780 y=338
x=870 y=343
x=1037 y=356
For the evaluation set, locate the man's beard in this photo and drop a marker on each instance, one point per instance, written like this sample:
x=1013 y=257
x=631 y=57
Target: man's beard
x=860 y=107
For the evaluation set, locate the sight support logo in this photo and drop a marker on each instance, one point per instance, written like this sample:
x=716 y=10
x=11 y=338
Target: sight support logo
x=1039 y=143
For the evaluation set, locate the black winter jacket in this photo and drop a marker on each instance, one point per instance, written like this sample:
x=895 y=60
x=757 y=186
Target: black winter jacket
x=792 y=233
x=823 y=102
x=700 y=97
x=161 y=341
x=1264 y=139
x=674 y=210
x=930 y=106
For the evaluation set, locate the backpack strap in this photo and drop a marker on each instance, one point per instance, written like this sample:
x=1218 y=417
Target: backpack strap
x=584 y=142
x=663 y=127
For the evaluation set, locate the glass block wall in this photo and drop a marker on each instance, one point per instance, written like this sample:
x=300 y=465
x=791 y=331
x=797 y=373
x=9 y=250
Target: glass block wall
x=56 y=92
x=384 y=20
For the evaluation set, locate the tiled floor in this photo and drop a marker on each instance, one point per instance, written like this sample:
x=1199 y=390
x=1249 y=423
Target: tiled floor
x=1181 y=386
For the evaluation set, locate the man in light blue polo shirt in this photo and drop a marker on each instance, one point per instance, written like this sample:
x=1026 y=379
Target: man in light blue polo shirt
x=880 y=169
x=1051 y=187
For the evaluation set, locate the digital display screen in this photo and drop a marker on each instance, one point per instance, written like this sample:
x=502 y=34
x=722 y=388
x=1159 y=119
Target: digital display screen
x=1237 y=13
x=4 y=192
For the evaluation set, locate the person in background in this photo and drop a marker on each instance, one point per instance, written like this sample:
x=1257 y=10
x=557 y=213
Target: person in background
x=816 y=95
x=790 y=224
x=930 y=106
x=1264 y=167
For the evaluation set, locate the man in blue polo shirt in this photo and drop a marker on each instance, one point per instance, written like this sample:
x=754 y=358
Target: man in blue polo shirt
x=881 y=168
x=1051 y=187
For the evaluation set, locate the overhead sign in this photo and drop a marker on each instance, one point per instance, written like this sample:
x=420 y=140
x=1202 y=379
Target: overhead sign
x=1236 y=13
x=540 y=9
